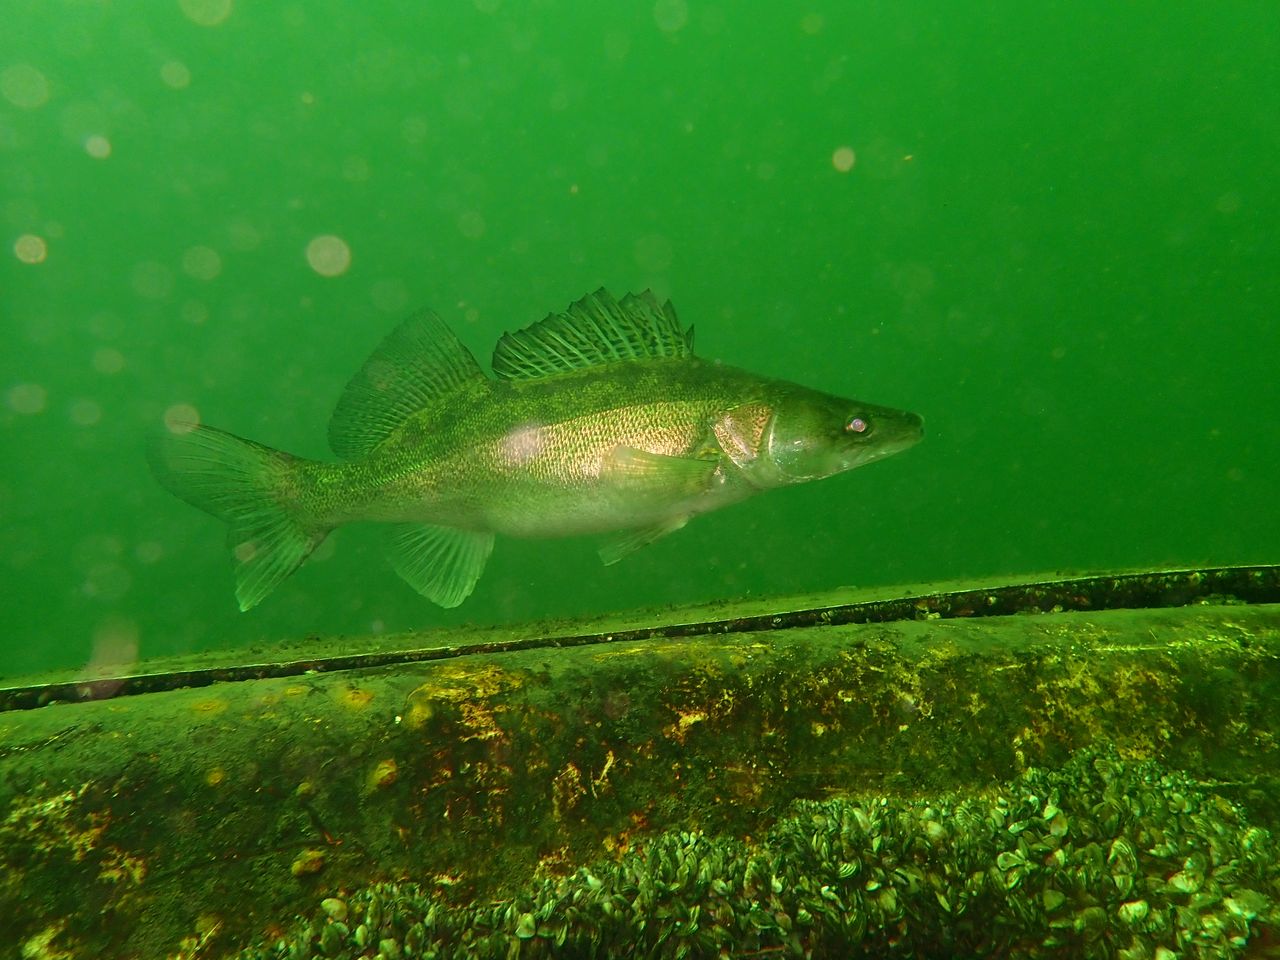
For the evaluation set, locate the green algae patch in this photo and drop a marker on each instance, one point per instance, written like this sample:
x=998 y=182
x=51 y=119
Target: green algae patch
x=483 y=792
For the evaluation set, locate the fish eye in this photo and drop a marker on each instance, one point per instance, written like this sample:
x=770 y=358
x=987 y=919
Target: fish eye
x=857 y=425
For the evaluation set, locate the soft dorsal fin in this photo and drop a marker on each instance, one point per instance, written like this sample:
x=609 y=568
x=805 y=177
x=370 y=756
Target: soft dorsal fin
x=597 y=329
x=419 y=361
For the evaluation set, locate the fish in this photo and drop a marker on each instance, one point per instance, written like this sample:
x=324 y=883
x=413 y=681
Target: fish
x=597 y=420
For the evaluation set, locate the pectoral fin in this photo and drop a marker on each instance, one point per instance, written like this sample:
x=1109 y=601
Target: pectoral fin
x=632 y=540
x=638 y=471
x=441 y=563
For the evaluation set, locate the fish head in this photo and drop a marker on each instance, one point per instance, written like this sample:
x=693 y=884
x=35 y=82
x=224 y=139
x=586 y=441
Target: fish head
x=811 y=435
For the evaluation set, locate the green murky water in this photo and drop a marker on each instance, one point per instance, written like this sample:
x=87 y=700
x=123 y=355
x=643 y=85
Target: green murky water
x=1050 y=229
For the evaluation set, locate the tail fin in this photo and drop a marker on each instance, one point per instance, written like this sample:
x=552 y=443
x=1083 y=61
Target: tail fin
x=249 y=487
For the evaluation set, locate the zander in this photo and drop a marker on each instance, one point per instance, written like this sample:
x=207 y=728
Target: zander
x=600 y=420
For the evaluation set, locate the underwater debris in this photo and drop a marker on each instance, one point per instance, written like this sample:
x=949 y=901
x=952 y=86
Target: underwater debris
x=308 y=862
x=1101 y=858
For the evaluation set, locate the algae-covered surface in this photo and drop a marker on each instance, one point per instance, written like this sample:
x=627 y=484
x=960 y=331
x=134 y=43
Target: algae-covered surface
x=199 y=822
x=956 y=599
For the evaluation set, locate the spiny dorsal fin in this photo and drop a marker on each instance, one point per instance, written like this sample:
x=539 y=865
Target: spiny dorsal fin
x=597 y=329
x=418 y=362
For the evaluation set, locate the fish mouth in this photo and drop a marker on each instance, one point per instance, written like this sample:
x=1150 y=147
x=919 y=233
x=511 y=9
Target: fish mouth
x=904 y=431
x=914 y=429
x=907 y=430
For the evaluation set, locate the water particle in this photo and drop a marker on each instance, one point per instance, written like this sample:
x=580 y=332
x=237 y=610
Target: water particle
x=206 y=13
x=390 y=295
x=27 y=398
x=243 y=236
x=617 y=45
x=843 y=159
x=108 y=360
x=30 y=248
x=149 y=551
x=24 y=86
x=181 y=418
x=86 y=413
x=115 y=644
x=355 y=169
x=97 y=146
x=195 y=312
x=328 y=255
x=653 y=253
x=202 y=263
x=471 y=225
x=152 y=280
x=107 y=581
x=671 y=15
x=812 y=23
x=414 y=129
x=175 y=74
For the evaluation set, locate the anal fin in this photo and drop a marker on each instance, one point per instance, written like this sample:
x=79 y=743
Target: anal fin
x=441 y=563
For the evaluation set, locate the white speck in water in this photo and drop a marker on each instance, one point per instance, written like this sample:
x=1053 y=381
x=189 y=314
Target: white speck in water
x=414 y=129
x=843 y=159
x=243 y=236
x=355 y=169
x=471 y=224
x=181 y=418
x=328 y=255
x=175 y=74
x=108 y=360
x=86 y=413
x=27 y=398
x=812 y=23
x=97 y=146
x=671 y=15
x=30 y=248
x=203 y=263
x=152 y=280
x=195 y=312
x=24 y=86
x=107 y=581
x=206 y=13
x=390 y=295
x=653 y=253
x=115 y=644
x=617 y=45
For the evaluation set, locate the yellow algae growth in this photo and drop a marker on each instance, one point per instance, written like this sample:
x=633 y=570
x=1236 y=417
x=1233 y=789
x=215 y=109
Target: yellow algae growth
x=459 y=685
